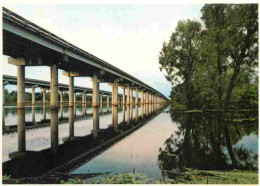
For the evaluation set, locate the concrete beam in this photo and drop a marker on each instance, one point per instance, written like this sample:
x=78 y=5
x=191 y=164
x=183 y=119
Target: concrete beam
x=16 y=61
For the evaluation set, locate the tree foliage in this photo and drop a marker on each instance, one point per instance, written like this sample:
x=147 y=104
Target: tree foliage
x=215 y=65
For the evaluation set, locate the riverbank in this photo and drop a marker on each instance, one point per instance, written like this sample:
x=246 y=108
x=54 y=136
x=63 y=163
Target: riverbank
x=189 y=176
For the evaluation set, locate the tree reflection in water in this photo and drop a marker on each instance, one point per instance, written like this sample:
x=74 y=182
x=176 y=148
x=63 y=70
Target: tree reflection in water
x=205 y=142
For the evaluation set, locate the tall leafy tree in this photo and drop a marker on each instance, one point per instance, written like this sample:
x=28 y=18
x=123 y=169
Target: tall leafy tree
x=180 y=55
x=232 y=33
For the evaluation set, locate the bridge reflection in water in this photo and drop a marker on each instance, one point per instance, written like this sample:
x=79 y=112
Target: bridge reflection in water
x=34 y=156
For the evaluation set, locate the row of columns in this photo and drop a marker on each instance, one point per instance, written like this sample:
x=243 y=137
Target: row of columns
x=96 y=100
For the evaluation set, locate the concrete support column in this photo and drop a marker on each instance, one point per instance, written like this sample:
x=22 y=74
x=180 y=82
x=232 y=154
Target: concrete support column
x=131 y=97
x=123 y=96
x=82 y=98
x=33 y=95
x=136 y=96
x=20 y=87
x=115 y=105
x=54 y=87
x=142 y=97
x=128 y=94
x=107 y=103
x=146 y=103
x=54 y=108
x=95 y=95
x=43 y=97
x=75 y=98
x=146 y=97
x=71 y=91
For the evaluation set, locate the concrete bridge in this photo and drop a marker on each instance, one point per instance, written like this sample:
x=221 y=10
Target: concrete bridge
x=30 y=45
x=45 y=85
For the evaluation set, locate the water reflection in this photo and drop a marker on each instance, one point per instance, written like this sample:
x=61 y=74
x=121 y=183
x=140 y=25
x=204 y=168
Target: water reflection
x=21 y=130
x=54 y=130
x=71 y=122
x=136 y=113
x=45 y=147
x=206 y=142
x=95 y=111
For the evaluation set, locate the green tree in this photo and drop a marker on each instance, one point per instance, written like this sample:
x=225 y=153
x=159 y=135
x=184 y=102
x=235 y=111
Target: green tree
x=231 y=46
x=179 y=56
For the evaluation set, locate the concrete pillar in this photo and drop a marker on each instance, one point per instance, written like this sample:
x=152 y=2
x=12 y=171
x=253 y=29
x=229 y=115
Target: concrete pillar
x=43 y=97
x=33 y=95
x=128 y=94
x=136 y=96
x=82 y=98
x=95 y=96
x=71 y=122
x=54 y=108
x=131 y=97
x=54 y=86
x=115 y=105
x=20 y=87
x=123 y=96
x=107 y=103
x=142 y=97
x=71 y=91
x=21 y=130
x=146 y=103
x=146 y=97
x=61 y=97
x=115 y=93
x=75 y=98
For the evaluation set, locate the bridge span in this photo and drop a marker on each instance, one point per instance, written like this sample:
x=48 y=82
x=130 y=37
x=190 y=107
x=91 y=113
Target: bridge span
x=27 y=44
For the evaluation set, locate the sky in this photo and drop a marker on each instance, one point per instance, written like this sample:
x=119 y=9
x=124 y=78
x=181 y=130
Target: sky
x=127 y=36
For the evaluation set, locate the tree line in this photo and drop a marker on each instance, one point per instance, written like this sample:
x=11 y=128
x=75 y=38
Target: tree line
x=212 y=64
x=11 y=97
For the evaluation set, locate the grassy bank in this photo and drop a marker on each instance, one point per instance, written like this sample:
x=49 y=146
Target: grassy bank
x=188 y=177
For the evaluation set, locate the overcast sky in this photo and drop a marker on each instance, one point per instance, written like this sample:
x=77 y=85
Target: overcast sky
x=129 y=37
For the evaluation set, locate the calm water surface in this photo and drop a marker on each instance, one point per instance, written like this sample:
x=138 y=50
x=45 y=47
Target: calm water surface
x=39 y=138
x=170 y=141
